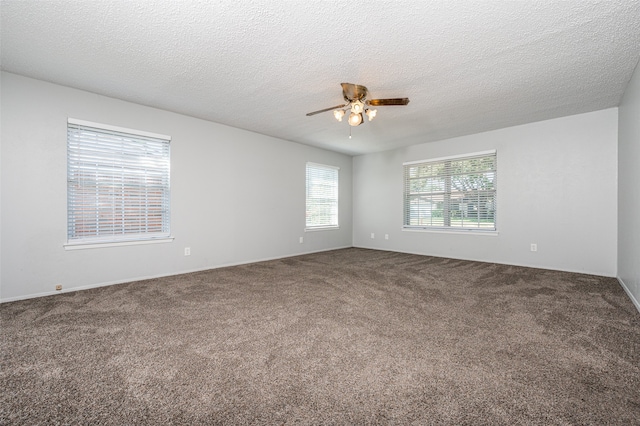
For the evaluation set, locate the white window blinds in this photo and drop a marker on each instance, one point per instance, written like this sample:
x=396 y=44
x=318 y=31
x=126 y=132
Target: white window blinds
x=322 y=196
x=117 y=184
x=452 y=193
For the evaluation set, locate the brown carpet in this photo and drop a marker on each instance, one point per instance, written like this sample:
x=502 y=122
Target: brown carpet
x=349 y=336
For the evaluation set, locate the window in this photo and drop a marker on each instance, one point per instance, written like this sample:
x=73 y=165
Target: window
x=322 y=196
x=117 y=184
x=451 y=193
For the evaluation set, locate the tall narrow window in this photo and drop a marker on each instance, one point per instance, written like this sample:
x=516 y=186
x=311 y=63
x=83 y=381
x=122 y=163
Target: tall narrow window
x=452 y=193
x=322 y=196
x=117 y=184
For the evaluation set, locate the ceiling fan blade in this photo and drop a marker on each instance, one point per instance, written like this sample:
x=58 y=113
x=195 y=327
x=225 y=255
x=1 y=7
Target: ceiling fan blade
x=352 y=92
x=384 y=102
x=326 y=109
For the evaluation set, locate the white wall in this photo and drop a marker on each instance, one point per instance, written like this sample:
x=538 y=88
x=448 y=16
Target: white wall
x=236 y=196
x=629 y=189
x=556 y=188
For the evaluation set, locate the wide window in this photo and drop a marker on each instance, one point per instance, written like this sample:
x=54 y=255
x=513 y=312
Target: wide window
x=117 y=184
x=322 y=196
x=451 y=193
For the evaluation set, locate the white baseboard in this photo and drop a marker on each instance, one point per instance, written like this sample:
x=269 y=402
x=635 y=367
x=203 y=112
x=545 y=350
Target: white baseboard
x=150 y=277
x=626 y=289
x=473 y=259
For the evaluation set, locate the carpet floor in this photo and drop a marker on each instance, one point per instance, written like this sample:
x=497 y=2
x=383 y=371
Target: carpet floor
x=350 y=336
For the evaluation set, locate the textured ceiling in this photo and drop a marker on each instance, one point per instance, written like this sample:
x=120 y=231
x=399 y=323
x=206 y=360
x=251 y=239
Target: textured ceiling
x=261 y=65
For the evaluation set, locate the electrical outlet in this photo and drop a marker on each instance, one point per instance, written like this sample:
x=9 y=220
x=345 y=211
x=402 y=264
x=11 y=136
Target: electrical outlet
x=58 y=287
x=373 y=235
x=187 y=251
x=301 y=240
x=386 y=236
x=534 y=247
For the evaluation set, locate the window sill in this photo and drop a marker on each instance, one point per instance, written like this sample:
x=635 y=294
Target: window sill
x=86 y=245
x=453 y=231
x=324 y=228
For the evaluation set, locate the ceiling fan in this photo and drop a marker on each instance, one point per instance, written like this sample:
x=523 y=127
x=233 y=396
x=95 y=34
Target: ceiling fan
x=357 y=103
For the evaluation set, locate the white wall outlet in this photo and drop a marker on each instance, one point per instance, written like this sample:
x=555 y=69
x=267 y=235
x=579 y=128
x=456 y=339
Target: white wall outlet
x=187 y=251
x=373 y=235
x=534 y=247
x=386 y=236
x=301 y=240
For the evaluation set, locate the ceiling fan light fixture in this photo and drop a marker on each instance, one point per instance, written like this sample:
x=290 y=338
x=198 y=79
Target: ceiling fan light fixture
x=371 y=113
x=357 y=105
x=355 y=119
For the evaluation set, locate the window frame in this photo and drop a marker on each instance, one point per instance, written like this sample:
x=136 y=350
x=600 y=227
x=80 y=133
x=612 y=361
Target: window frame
x=490 y=195
x=334 y=198
x=117 y=142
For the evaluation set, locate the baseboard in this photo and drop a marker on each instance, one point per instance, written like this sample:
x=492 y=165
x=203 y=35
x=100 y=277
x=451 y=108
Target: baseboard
x=472 y=259
x=150 y=277
x=626 y=289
